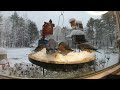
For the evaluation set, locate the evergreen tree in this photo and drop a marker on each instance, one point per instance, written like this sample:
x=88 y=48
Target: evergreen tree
x=109 y=27
x=104 y=29
x=90 y=27
x=15 y=28
x=33 y=31
x=0 y=29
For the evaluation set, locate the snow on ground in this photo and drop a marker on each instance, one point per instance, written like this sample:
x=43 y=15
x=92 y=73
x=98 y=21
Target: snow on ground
x=105 y=60
x=19 y=55
x=3 y=50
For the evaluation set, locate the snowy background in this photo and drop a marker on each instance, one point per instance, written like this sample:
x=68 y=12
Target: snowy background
x=19 y=32
x=41 y=16
x=18 y=55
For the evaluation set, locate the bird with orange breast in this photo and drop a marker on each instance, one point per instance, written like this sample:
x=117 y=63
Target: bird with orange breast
x=64 y=48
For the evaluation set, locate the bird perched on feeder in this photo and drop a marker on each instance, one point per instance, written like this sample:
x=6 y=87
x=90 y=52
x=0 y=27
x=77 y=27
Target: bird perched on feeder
x=87 y=47
x=64 y=48
x=51 y=46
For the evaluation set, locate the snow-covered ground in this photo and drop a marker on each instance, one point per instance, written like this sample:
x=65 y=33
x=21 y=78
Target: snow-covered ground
x=20 y=55
x=105 y=60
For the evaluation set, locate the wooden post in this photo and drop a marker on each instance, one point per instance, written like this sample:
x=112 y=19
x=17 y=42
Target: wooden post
x=117 y=14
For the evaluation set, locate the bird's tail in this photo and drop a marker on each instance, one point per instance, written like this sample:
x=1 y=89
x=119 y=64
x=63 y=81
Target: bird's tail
x=98 y=51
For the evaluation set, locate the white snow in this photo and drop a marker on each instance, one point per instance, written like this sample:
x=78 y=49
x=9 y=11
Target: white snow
x=76 y=32
x=18 y=55
x=35 y=44
x=3 y=50
x=72 y=57
x=72 y=19
x=4 y=61
x=79 y=22
x=106 y=59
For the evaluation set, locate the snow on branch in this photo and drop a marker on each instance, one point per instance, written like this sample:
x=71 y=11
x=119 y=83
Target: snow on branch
x=76 y=32
x=72 y=19
x=79 y=22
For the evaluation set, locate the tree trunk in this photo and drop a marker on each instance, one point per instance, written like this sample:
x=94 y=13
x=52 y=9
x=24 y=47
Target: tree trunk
x=117 y=14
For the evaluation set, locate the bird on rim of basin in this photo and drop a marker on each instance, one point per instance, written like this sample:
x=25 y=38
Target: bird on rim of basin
x=87 y=47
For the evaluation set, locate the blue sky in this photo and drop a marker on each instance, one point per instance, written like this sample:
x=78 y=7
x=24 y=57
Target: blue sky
x=39 y=17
